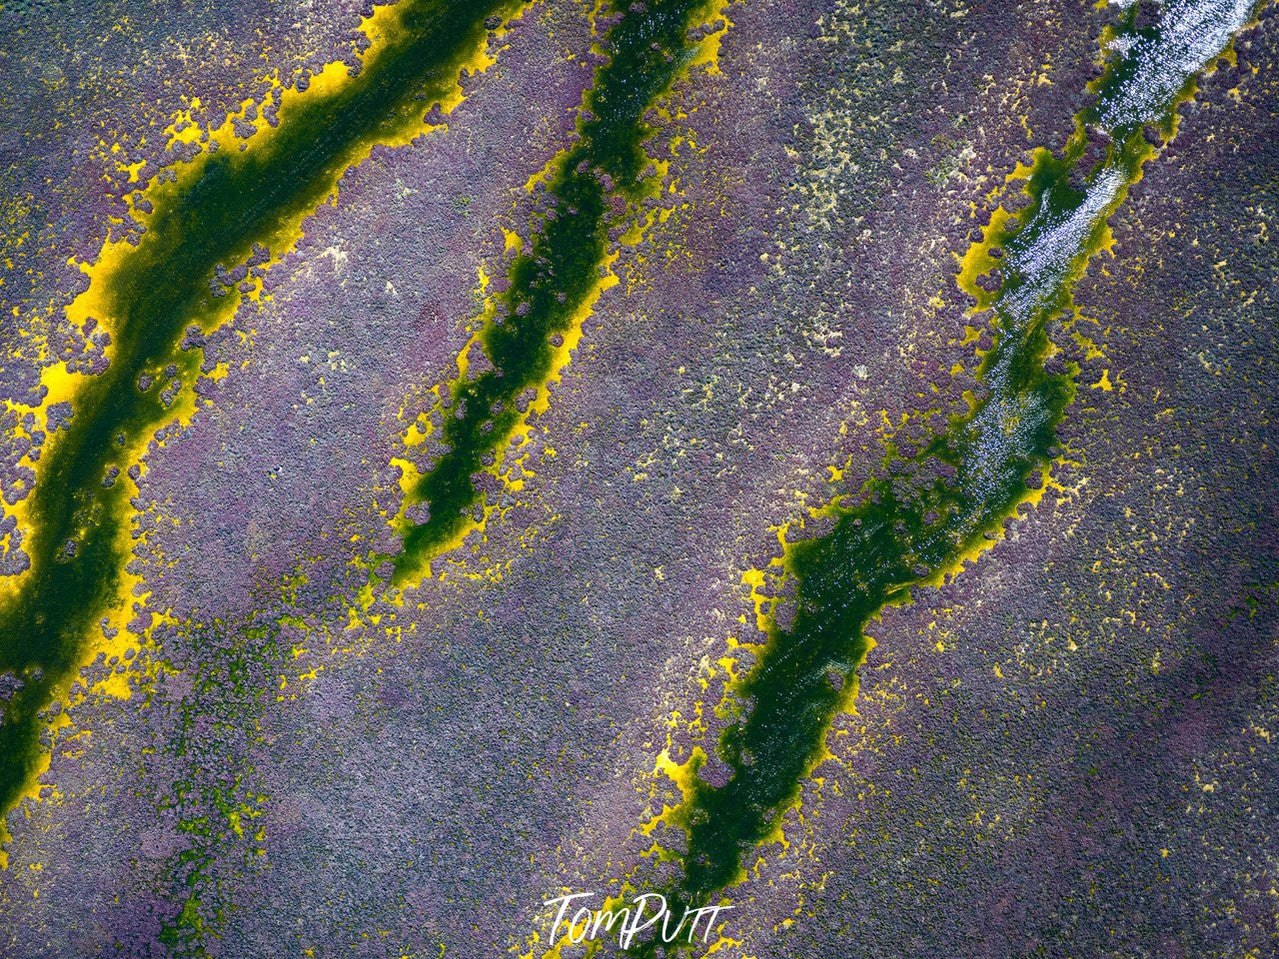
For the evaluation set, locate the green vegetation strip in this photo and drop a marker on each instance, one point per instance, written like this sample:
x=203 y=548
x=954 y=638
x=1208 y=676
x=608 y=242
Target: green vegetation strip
x=232 y=201
x=648 y=46
x=925 y=513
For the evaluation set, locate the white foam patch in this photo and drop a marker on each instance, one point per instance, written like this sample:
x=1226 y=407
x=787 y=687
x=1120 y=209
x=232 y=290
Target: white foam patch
x=1043 y=266
x=1192 y=34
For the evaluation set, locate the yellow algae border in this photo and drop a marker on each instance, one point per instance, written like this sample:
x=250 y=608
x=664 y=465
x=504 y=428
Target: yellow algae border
x=973 y=263
x=380 y=27
x=511 y=456
x=165 y=190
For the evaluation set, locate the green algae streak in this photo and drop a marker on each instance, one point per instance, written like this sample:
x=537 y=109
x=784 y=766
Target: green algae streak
x=229 y=201
x=648 y=46
x=924 y=514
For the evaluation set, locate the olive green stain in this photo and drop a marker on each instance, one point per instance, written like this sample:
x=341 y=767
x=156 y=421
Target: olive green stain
x=231 y=201
x=215 y=813
x=648 y=46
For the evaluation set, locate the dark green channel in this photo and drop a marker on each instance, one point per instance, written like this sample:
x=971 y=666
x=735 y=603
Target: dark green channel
x=913 y=519
x=236 y=199
x=648 y=46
